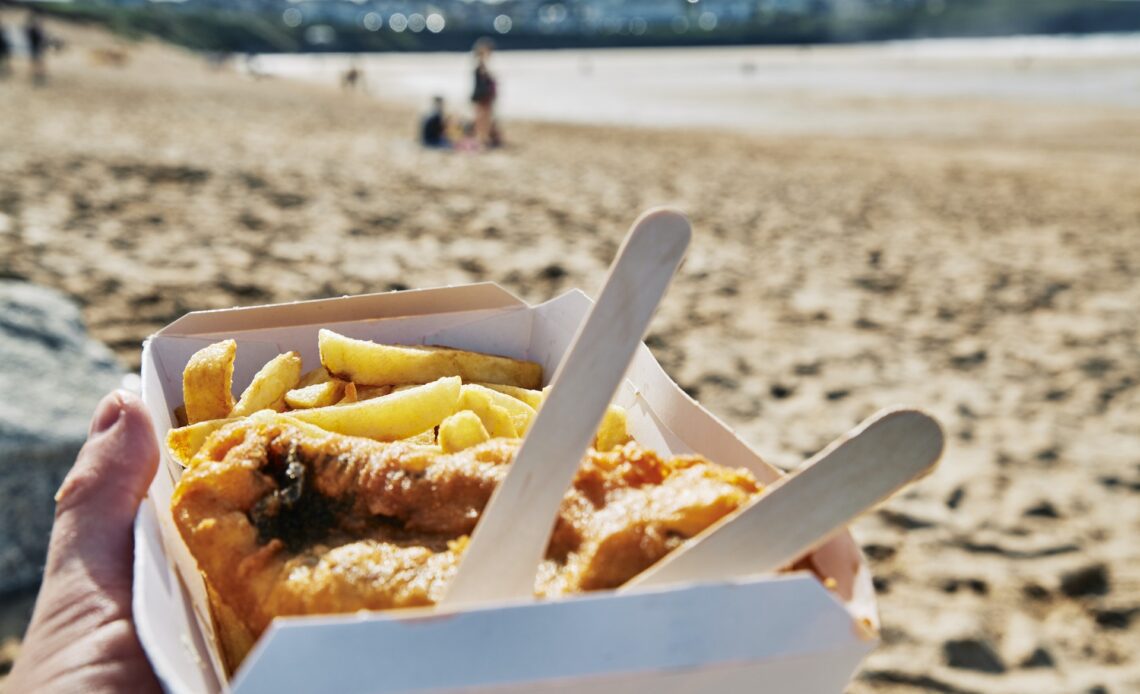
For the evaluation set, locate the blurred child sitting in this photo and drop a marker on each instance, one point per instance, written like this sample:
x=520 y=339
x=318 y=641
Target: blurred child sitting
x=434 y=129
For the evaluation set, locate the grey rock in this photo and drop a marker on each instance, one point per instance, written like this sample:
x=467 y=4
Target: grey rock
x=52 y=374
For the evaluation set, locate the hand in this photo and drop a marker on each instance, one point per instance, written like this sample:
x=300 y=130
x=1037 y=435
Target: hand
x=82 y=637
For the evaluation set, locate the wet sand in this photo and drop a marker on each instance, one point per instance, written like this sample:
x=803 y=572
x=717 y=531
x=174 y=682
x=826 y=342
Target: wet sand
x=988 y=274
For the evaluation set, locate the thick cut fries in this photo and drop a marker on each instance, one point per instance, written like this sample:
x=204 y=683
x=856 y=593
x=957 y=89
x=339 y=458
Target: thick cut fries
x=184 y=442
x=461 y=430
x=269 y=386
x=368 y=363
x=613 y=431
x=312 y=378
x=464 y=414
x=391 y=417
x=207 y=382
x=533 y=398
x=369 y=392
x=521 y=414
x=496 y=418
x=315 y=395
x=349 y=394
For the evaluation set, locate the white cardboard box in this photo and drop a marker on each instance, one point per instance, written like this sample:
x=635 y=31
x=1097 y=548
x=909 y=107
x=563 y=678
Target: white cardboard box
x=782 y=633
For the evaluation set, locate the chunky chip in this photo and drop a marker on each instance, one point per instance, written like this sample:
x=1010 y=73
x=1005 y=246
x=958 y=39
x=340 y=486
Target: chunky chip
x=533 y=398
x=312 y=378
x=369 y=363
x=315 y=395
x=391 y=417
x=369 y=392
x=207 y=382
x=184 y=442
x=496 y=418
x=269 y=386
x=613 y=431
x=349 y=394
x=444 y=411
x=461 y=430
x=521 y=414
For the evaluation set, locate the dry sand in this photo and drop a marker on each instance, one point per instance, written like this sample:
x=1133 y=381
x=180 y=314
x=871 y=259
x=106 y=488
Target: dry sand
x=990 y=277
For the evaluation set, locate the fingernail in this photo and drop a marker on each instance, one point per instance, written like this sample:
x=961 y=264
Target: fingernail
x=107 y=413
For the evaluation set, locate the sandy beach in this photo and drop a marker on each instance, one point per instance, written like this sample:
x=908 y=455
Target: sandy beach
x=983 y=267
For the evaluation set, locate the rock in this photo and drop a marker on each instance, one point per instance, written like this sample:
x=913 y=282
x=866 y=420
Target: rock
x=972 y=654
x=52 y=375
x=1087 y=580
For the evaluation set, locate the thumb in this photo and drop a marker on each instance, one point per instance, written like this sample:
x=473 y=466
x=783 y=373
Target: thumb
x=97 y=502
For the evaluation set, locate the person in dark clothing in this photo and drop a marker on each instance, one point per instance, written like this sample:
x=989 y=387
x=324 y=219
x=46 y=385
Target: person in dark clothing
x=433 y=132
x=5 y=51
x=37 y=44
x=484 y=94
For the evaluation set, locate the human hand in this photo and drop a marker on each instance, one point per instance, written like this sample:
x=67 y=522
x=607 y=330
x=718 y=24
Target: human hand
x=82 y=636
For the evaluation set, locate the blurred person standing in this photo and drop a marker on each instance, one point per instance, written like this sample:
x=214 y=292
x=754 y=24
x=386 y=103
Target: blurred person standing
x=37 y=44
x=5 y=50
x=353 y=78
x=484 y=94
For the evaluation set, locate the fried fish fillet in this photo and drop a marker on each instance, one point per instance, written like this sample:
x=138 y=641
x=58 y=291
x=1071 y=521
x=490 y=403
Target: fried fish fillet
x=284 y=518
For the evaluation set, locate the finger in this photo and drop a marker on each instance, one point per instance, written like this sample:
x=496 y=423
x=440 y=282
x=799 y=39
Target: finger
x=98 y=499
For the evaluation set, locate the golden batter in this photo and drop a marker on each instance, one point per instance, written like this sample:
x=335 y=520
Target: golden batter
x=288 y=519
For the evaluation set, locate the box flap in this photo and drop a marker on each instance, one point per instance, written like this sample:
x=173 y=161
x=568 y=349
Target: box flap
x=581 y=637
x=825 y=672
x=485 y=295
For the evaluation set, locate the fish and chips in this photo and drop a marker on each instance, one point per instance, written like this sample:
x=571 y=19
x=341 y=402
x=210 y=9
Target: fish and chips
x=356 y=485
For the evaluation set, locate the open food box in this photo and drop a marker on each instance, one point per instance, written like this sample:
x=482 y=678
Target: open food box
x=781 y=633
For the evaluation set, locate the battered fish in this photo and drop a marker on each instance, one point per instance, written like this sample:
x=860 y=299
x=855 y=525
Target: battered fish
x=287 y=519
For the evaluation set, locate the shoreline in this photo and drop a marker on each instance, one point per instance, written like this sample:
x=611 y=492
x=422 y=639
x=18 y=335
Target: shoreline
x=897 y=89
